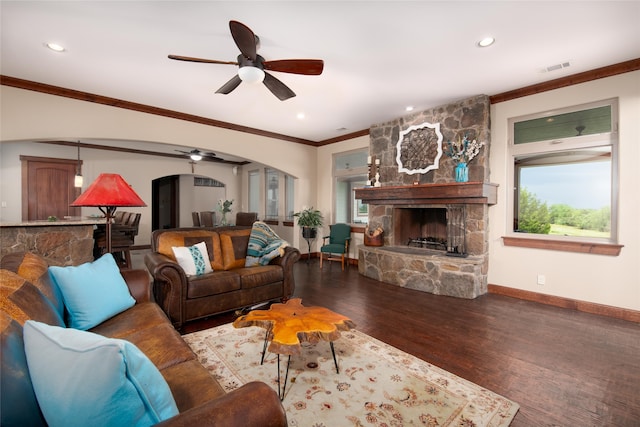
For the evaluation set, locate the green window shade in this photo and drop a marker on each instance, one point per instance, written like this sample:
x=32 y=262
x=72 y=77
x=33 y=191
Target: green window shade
x=577 y=123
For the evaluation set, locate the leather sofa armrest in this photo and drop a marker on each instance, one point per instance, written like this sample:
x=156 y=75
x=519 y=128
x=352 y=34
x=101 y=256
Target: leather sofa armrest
x=155 y=261
x=253 y=404
x=286 y=261
x=290 y=257
x=139 y=284
x=170 y=285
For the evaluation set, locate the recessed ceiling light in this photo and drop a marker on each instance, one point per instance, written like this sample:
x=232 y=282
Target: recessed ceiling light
x=55 y=47
x=300 y=116
x=409 y=108
x=486 y=42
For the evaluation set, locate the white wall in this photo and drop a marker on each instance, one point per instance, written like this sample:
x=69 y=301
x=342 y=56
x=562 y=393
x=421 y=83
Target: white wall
x=608 y=280
x=198 y=199
x=29 y=116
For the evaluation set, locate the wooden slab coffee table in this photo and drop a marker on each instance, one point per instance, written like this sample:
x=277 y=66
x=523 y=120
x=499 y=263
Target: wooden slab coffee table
x=288 y=325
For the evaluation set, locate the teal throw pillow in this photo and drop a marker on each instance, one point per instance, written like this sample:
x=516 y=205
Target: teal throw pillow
x=92 y=292
x=84 y=379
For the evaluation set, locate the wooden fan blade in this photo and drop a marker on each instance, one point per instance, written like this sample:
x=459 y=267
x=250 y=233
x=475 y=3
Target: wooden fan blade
x=230 y=85
x=207 y=61
x=310 y=67
x=278 y=88
x=244 y=38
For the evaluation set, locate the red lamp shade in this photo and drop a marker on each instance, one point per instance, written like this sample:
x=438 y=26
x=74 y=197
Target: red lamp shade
x=109 y=190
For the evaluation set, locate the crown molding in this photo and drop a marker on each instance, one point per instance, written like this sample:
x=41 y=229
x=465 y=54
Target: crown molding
x=119 y=103
x=574 y=79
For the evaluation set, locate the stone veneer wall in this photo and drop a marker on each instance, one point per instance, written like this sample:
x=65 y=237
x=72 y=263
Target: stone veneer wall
x=470 y=117
x=60 y=245
x=438 y=274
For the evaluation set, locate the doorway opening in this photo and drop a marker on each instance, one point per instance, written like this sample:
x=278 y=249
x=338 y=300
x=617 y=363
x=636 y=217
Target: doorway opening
x=175 y=197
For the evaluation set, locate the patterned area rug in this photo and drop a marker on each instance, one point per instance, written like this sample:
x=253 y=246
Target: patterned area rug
x=378 y=385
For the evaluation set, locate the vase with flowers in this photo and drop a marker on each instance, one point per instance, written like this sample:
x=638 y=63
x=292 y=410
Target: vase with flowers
x=463 y=151
x=224 y=207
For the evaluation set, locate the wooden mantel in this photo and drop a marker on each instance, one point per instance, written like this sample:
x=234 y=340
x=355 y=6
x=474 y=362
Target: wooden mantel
x=421 y=194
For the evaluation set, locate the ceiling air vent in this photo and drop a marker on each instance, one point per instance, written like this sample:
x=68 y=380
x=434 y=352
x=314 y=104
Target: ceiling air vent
x=557 y=66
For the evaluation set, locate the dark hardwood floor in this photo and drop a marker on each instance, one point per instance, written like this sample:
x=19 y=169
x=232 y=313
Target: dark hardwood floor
x=564 y=367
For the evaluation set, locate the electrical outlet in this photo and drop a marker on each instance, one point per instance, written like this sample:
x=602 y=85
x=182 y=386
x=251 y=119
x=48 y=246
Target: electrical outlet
x=541 y=279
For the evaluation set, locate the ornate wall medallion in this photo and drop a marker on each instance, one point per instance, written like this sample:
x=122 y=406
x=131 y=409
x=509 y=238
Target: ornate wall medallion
x=419 y=149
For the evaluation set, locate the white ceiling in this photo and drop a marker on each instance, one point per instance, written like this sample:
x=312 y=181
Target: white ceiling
x=380 y=56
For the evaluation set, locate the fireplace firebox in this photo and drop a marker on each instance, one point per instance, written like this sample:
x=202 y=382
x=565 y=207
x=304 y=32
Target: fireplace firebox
x=432 y=228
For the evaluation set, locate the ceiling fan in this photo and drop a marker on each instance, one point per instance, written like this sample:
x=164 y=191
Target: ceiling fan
x=252 y=66
x=197 y=155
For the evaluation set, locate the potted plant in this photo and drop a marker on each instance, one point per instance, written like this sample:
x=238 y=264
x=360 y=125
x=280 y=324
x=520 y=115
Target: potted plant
x=309 y=219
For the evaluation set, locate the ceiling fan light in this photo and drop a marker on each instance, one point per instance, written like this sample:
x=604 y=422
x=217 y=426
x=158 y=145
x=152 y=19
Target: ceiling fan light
x=251 y=74
x=196 y=157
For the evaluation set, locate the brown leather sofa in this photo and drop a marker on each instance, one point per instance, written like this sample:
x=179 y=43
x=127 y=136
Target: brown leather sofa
x=230 y=286
x=198 y=396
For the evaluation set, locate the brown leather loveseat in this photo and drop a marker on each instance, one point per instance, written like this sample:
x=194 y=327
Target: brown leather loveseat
x=230 y=286
x=28 y=292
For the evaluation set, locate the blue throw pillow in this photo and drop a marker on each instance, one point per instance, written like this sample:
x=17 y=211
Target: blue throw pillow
x=84 y=379
x=92 y=292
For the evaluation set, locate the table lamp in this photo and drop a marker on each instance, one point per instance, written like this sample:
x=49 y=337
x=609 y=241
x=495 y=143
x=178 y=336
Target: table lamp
x=107 y=193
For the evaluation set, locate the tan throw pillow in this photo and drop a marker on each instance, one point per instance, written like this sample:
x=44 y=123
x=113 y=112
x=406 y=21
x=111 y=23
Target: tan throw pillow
x=22 y=301
x=234 y=247
x=35 y=269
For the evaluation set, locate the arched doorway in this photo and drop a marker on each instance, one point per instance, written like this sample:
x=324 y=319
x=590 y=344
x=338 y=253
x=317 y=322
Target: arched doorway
x=174 y=197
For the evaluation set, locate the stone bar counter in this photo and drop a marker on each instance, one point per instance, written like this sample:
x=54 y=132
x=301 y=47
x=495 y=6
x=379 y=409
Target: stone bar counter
x=61 y=242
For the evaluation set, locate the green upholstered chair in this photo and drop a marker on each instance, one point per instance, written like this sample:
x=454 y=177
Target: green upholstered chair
x=339 y=238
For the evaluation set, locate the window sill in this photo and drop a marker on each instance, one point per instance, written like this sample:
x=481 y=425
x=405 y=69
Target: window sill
x=566 y=246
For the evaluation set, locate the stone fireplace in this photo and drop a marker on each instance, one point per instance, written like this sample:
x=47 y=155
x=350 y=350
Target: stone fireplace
x=435 y=229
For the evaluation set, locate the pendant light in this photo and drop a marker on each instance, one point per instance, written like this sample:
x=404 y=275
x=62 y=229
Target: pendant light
x=78 y=181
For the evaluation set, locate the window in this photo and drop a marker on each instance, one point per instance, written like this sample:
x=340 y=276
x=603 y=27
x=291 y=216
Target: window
x=272 y=184
x=288 y=196
x=564 y=173
x=350 y=172
x=254 y=191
